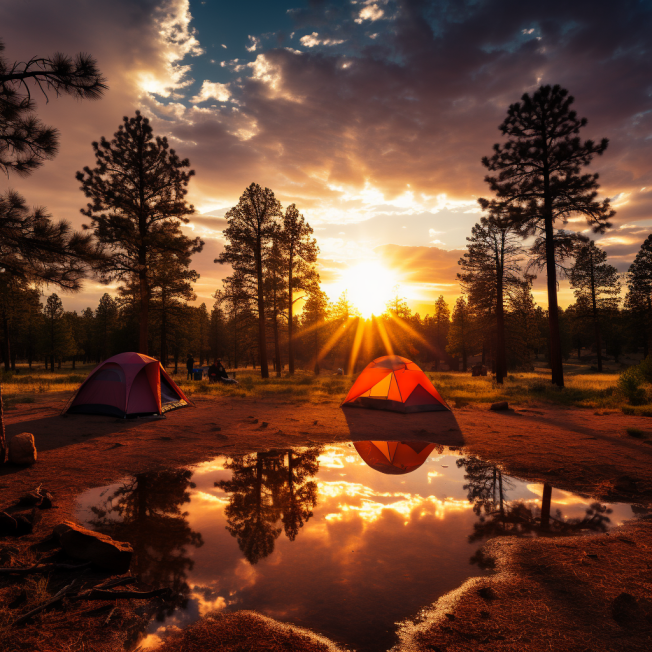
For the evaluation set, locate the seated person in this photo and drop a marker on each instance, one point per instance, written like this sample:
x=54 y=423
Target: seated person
x=220 y=374
x=213 y=372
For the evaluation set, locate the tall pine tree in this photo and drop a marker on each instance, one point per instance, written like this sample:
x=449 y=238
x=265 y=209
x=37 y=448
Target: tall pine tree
x=138 y=201
x=540 y=177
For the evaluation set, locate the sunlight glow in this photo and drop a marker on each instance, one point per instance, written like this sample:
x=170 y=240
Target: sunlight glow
x=369 y=286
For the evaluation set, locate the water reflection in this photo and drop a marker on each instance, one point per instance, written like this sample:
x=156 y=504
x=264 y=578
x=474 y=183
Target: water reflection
x=347 y=540
x=264 y=490
x=488 y=491
x=146 y=511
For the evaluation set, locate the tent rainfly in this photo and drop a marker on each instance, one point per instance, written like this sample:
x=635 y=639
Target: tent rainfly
x=394 y=383
x=127 y=385
x=394 y=457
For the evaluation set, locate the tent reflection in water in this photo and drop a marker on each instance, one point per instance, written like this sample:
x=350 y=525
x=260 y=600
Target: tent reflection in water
x=127 y=385
x=394 y=457
x=396 y=384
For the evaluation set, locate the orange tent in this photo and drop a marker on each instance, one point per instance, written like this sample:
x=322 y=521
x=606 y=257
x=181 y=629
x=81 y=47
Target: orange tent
x=394 y=383
x=394 y=457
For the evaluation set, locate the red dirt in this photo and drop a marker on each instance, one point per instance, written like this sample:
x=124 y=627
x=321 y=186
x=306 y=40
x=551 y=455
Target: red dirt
x=573 y=449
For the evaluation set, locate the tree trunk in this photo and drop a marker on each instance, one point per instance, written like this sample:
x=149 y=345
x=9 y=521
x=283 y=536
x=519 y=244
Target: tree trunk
x=3 y=437
x=501 y=363
x=545 y=506
x=277 y=348
x=144 y=308
x=596 y=323
x=464 y=356
x=262 y=334
x=290 y=324
x=52 y=363
x=6 y=348
x=74 y=357
x=164 y=340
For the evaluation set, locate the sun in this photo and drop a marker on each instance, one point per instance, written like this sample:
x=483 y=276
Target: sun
x=369 y=286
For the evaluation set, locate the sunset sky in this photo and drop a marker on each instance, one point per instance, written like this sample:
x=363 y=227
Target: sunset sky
x=371 y=115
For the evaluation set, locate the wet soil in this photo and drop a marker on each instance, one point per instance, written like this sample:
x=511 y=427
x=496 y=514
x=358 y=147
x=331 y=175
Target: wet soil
x=575 y=449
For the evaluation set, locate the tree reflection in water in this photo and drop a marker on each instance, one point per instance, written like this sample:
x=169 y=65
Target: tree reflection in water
x=146 y=512
x=265 y=490
x=498 y=516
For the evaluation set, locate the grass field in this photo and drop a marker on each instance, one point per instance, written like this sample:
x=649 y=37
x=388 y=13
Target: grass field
x=583 y=387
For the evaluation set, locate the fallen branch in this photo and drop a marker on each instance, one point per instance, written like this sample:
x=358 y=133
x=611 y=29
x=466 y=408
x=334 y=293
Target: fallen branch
x=99 y=594
x=43 y=568
x=65 y=591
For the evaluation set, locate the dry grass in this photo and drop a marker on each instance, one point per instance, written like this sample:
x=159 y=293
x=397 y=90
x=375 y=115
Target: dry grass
x=583 y=387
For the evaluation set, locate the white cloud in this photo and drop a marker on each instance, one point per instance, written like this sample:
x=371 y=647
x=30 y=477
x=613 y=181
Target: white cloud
x=224 y=46
x=311 y=40
x=528 y=31
x=254 y=42
x=370 y=12
x=212 y=90
x=432 y=233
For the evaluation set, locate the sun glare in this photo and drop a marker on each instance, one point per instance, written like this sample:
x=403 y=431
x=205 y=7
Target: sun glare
x=369 y=286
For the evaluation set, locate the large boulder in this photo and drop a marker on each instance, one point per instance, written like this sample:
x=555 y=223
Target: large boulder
x=100 y=549
x=22 y=449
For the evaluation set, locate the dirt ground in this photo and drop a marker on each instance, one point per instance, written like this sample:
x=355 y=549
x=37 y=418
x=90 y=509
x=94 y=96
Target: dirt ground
x=574 y=449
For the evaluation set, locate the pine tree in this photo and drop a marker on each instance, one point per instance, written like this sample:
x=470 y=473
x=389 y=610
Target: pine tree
x=638 y=300
x=539 y=178
x=25 y=142
x=106 y=315
x=276 y=293
x=490 y=271
x=459 y=334
x=595 y=280
x=138 y=201
x=55 y=333
x=441 y=325
x=252 y=225
x=301 y=253
x=313 y=322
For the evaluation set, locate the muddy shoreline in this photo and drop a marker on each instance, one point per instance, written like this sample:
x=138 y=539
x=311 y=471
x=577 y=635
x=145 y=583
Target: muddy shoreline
x=573 y=449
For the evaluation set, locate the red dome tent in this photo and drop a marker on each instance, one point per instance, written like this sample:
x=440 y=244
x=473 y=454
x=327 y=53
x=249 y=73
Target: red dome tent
x=394 y=383
x=394 y=457
x=127 y=385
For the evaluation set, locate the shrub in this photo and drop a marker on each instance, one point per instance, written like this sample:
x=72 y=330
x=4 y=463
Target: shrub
x=635 y=432
x=645 y=368
x=629 y=385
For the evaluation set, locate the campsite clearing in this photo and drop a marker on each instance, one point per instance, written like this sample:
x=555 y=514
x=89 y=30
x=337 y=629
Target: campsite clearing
x=571 y=448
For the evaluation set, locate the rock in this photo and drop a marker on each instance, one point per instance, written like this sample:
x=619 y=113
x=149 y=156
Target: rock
x=23 y=525
x=626 y=611
x=46 y=503
x=8 y=525
x=499 y=406
x=100 y=549
x=487 y=593
x=450 y=616
x=30 y=499
x=485 y=614
x=22 y=449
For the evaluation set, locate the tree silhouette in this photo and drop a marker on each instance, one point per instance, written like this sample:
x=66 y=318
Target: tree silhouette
x=459 y=335
x=252 y=225
x=497 y=516
x=639 y=294
x=146 y=512
x=265 y=491
x=301 y=252
x=25 y=142
x=313 y=323
x=539 y=178
x=594 y=280
x=137 y=192
x=490 y=272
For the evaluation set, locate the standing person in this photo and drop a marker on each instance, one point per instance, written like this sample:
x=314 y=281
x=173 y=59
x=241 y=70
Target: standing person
x=190 y=365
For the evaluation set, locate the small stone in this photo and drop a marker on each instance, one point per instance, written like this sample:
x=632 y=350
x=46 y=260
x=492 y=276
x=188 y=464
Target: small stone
x=264 y=424
x=626 y=611
x=450 y=616
x=485 y=614
x=502 y=405
x=100 y=549
x=8 y=525
x=22 y=449
x=23 y=525
x=47 y=501
x=487 y=593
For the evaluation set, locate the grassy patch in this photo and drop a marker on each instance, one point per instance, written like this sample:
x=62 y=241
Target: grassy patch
x=583 y=388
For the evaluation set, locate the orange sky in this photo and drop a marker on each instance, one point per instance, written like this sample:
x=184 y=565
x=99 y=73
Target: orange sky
x=372 y=118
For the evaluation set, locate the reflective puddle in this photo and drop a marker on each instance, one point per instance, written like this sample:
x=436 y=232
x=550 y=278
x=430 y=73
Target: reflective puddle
x=347 y=540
